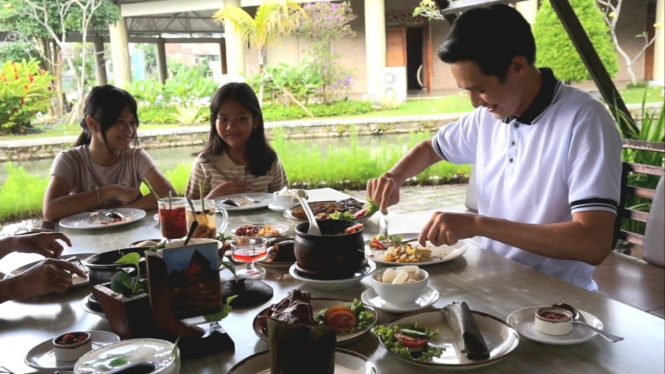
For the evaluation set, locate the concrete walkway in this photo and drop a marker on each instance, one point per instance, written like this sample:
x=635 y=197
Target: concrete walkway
x=419 y=199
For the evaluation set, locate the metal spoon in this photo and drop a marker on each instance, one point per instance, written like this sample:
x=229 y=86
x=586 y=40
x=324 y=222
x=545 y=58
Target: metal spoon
x=113 y=214
x=313 y=226
x=194 y=225
x=230 y=202
x=578 y=319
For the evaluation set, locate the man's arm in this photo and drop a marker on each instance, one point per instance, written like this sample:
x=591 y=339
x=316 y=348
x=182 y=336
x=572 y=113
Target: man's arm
x=385 y=189
x=588 y=238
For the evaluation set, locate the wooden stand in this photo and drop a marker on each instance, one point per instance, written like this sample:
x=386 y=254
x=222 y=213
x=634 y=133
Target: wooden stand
x=194 y=341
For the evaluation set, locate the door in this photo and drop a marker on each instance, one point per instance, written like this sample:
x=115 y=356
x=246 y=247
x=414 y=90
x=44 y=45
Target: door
x=396 y=46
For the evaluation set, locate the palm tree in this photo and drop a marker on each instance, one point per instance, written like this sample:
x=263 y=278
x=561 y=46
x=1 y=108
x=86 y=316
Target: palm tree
x=273 y=19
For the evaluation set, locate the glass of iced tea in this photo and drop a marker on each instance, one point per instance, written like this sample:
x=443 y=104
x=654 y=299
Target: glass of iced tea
x=172 y=220
x=249 y=250
x=205 y=214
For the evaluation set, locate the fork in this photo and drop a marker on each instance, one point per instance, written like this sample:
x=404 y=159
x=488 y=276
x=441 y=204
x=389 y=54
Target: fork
x=94 y=216
x=383 y=225
x=78 y=263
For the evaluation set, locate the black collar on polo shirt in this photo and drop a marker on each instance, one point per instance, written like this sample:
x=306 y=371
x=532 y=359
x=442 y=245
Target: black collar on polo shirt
x=541 y=102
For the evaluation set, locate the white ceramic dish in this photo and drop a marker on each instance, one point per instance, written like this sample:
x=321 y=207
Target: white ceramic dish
x=501 y=340
x=319 y=304
x=440 y=254
x=264 y=199
x=561 y=324
x=80 y=221
x=76 y=281
x=523 y=321
x=424 y=301
x=72 y=352
x=159 y=352
x=334 y=284
x=276 y=208
x=42 y=356
x=280 y=227
x=346 y=362
x=89 y=307
x=400 y=294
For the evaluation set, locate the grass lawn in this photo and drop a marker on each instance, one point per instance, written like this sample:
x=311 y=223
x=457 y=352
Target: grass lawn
x=458 y=103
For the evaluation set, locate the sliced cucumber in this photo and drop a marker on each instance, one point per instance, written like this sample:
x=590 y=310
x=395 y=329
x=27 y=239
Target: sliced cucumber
x=413 y=333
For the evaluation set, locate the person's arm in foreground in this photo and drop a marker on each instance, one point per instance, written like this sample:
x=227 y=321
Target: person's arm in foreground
x=48 y=276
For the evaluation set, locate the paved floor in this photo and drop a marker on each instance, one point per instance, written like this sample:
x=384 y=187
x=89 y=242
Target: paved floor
x=413 y=199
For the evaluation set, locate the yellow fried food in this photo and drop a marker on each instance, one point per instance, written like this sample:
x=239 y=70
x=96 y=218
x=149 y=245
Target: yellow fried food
x=405 y=253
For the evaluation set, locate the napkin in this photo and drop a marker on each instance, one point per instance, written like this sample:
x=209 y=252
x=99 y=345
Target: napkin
x=461 y=321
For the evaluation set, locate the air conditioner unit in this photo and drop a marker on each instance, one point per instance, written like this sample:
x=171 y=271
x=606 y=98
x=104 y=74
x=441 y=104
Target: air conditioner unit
x=393 y=83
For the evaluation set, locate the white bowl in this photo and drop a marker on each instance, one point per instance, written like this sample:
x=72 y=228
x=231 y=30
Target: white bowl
x=72 y=352
x=400 y=294
x=284 y=201
x=562 y=325
x=133 y=350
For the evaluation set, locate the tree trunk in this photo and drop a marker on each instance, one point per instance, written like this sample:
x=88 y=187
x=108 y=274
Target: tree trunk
x=57 y=73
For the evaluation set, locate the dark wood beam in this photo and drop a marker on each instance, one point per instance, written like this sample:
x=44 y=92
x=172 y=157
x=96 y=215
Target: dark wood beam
x=595 y=66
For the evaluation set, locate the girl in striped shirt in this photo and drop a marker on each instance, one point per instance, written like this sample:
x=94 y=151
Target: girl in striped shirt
x=238 y=157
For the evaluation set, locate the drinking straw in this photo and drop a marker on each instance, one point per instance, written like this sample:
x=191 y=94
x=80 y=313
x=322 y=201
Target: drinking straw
x=152 y=190
x=170 y=198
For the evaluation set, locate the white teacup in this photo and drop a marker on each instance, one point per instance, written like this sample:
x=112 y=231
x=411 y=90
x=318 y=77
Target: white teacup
x=284 y=201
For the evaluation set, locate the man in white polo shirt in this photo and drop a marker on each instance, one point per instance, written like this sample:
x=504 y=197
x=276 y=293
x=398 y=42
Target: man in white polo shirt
x=547 y=155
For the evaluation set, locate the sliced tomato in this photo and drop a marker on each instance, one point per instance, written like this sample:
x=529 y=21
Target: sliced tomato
x=360 y=213
x=376 y=244
x=414 y=344
x=354 y=228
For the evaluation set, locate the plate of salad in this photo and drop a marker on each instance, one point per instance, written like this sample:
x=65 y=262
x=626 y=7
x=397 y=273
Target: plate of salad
x=426 y=339
x=350 y=319
x=348 y=209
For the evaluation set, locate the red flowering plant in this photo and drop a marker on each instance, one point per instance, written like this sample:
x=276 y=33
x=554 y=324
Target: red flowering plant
x=25 y=89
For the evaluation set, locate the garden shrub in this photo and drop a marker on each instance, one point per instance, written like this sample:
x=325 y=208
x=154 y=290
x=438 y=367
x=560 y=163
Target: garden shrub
x=24 y=91
x=341 y=108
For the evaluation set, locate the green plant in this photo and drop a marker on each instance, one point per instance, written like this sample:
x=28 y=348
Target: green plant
x=157 y=114
x=146 y=92
x=556 y=50
x=123 y=283
x=17 y=51
x=188 y=85
x=388 y=102
x=189 y=113
x=638 y=84
x=300 y=80
x=24 y=91
x=342 y=108
x=326 y=24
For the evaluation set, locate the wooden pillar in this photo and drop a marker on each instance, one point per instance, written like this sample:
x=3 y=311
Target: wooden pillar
x=222 y=56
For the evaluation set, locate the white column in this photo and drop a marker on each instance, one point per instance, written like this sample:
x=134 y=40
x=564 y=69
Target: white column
x=375 y=43
x=235 y=48
x=100 y=63
x=659 y=49
x=122 y=72
x=528 y=9
x=162 y=73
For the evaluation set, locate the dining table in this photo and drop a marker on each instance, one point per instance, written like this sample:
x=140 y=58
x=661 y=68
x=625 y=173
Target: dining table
x=487 y=282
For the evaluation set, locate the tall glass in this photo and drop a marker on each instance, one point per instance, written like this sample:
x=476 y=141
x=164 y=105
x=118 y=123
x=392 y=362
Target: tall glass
x=172 y=220
x=250 y=250
x=205 y=214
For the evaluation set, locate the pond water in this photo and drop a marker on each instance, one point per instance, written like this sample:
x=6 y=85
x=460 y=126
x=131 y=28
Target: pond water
x=170 y=158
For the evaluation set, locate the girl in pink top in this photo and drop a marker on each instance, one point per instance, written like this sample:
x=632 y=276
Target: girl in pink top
x=103 y=170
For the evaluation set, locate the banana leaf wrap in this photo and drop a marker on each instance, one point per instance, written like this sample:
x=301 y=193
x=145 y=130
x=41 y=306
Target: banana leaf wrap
x=301 y=349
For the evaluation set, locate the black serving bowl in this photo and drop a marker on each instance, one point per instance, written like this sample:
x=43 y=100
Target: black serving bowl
x=102 y=266
x=329 y=256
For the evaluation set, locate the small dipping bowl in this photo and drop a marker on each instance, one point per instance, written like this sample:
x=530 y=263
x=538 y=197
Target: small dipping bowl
x=284 y=201
x=71 y=349
x=400 y=294
x=554 y=321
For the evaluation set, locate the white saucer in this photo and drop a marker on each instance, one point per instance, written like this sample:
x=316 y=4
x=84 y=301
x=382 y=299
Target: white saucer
x=42 y=356
x=276 y=208
x=427 y=299
x=337 y=284
x=346 y=362
x=522 y=320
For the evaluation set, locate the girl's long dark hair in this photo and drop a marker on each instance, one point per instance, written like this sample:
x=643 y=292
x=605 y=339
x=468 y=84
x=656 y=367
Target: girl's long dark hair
x=104 y=104
x=259 y=152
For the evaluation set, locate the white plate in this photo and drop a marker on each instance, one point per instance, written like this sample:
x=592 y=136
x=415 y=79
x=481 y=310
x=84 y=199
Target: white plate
x=80 y=221
x=427 y=299
x=280 y=227
x=276 y=208
x=87 y=306
x=76 y=281
x=319 y=304
x=523 y=321
x=337 y=284
x=264 y=200
x=288 y=213
x=501 y=339
x=42 y=356
x=346 y=362
x=440 y=254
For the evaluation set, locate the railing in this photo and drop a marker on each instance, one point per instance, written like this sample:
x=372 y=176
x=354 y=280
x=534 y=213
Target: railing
x=641 y=192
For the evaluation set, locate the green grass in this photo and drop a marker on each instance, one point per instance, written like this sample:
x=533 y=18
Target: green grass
x=307 y=166
x=635 y=95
